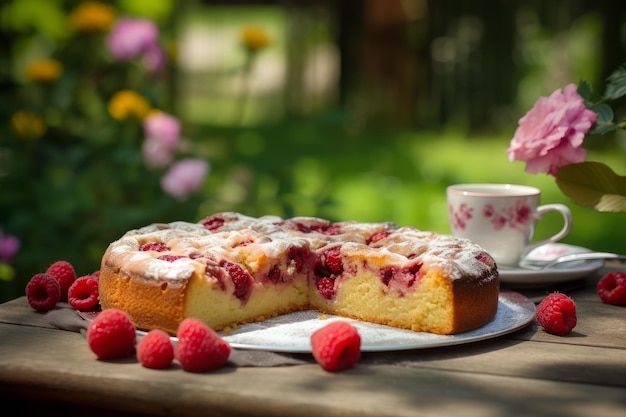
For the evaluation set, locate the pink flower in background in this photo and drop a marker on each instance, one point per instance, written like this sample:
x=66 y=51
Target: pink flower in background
x=9 y=245
x=162 y=139
x=132 y=38
x=185 y=177
x=163 y=127
x=155 y=60
x=551 y=134
x=155 y=155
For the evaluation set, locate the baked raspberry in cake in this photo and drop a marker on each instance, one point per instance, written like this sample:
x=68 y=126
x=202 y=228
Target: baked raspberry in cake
x=229 y=269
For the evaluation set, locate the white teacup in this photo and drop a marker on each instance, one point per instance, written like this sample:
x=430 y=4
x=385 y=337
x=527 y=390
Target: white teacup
x=501 y=218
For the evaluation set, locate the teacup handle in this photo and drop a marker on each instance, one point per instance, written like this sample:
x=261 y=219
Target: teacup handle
x=567 y=223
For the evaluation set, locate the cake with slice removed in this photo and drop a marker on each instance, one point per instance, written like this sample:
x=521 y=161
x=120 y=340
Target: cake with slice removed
x=230 y=269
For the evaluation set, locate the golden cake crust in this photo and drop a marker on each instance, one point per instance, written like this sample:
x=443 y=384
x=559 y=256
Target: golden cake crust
x=151 y=305
x=230 y=269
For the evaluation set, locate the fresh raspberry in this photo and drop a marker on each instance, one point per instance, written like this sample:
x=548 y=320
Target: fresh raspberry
x=200 y=348
x=155 y=350
x=84 y=294
x=336 y=346
x=63 y=272
x=556 y=313
x=43 y=292
x=612 y=288
x=111 y=335
x=96 y=274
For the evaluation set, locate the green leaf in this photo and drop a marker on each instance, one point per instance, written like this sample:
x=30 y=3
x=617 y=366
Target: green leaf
x=593 y=185
x=605 y=114
x=616 y=85
x=584 y=89
x=601 y=130
x=604 y=122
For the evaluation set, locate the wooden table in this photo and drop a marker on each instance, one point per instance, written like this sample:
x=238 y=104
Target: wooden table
x=525 y=373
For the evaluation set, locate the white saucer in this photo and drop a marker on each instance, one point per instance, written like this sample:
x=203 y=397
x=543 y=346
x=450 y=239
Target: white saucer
x=569 y=271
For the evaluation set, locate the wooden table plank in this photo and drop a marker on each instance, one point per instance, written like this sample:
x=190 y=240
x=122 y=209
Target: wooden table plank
x=517 y=373
x=369 y=390
x=529 y=372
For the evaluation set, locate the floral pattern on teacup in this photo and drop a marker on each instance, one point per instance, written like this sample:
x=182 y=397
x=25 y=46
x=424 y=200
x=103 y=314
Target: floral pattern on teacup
x=514 y=217
x=459 y=218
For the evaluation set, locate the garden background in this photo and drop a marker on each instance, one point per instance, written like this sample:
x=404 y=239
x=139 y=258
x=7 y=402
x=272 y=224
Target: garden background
x=345 y=109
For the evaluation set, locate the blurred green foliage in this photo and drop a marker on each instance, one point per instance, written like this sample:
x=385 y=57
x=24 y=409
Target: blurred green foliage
x=68 y=194
x=73 y=184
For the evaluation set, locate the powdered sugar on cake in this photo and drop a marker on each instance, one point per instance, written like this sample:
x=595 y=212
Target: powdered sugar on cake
x=272 y=235
x=230 y=269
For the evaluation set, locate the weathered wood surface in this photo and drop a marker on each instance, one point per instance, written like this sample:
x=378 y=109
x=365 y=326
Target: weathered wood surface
x=528 y=372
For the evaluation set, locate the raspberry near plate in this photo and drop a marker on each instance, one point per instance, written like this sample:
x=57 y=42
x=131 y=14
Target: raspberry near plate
x=291 y=332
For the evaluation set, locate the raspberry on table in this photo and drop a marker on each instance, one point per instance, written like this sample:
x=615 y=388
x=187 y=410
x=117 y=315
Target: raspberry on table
x=199 y=347
x=155 y=350
x=556 y=313
x=43 y=292
x=612 y=288
x=112 y=334
x=84 y=293
x=64 y=273
x=336 y=346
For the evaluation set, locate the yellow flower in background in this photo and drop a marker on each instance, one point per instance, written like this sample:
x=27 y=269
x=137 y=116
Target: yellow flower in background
x=254 y=38
x=28 y=125
x=44 y=70
x=92 y=16
x=128 y=104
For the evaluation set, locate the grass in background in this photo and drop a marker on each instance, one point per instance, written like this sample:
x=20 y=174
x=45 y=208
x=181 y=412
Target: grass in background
x=307 y=168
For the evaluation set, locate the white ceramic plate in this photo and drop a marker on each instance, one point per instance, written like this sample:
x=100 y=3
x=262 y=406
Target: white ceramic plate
x=569 y=271
x=292 y=332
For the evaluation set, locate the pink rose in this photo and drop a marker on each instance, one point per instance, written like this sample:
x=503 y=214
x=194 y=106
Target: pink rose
x=132 y=38
x=551 y=134
x=185 y=177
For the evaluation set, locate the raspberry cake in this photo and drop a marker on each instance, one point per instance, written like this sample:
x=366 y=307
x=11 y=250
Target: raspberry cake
x=230 y=269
